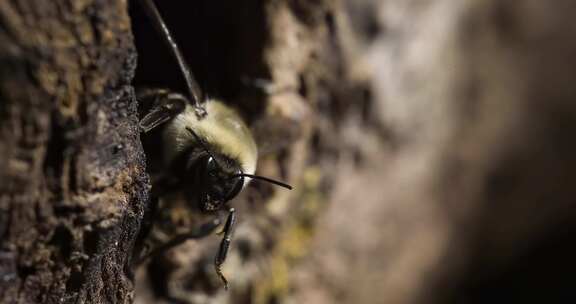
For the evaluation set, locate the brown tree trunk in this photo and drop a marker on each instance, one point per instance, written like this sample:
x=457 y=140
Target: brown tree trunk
x=72 y=180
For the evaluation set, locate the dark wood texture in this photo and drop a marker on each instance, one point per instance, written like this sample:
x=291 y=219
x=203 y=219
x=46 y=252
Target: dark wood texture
x=73 y=186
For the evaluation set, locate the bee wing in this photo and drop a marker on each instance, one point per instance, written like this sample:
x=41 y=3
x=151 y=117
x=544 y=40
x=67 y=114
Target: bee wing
x=166 y=107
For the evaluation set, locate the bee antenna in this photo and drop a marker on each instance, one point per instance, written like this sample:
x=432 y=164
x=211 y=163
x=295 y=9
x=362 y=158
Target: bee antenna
x=193 y=87
x=203 y=144
x=266 y=179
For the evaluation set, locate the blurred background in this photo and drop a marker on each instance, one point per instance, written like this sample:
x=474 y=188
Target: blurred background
x=431 y=144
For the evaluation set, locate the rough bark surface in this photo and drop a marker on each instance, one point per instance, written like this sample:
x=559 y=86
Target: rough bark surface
x=73 y=185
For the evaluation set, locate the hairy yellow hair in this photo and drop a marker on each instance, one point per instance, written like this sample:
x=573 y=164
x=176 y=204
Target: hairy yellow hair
x=222 y=129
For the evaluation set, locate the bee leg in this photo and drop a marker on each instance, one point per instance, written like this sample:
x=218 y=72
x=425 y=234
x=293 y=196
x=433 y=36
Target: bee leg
x=150 y=95
x=198 y=233
x=225 y=245
x=165 y=105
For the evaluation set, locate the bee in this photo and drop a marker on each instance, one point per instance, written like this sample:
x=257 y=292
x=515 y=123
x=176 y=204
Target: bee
x=209 y=154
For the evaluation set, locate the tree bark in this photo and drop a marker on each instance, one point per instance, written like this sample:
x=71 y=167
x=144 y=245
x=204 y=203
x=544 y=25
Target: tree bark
x=73 y=186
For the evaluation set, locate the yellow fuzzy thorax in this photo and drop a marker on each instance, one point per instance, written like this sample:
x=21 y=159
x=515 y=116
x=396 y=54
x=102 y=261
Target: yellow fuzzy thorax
x=222 y=128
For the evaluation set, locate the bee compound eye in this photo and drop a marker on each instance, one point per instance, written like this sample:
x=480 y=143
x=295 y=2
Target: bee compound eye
x=211 y=164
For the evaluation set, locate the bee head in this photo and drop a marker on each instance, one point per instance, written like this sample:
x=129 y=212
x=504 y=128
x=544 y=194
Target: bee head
x=219 y=181
x=219 y=178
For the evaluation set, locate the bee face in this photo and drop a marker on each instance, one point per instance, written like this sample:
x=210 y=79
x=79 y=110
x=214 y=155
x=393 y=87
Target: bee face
x=220 y=181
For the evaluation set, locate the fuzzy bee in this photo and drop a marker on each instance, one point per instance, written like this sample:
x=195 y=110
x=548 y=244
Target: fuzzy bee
x=208 y=153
